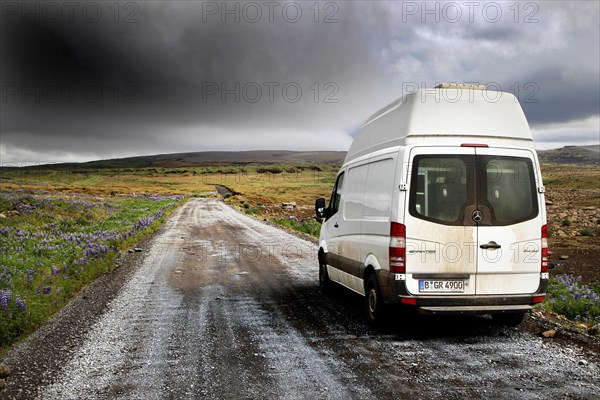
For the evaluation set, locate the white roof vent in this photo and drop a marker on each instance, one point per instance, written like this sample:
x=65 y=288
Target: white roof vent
x=460 y=86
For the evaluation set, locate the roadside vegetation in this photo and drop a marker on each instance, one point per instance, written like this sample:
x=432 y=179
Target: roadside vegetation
x=573 y=299
x=54 y=244
x=311 y=226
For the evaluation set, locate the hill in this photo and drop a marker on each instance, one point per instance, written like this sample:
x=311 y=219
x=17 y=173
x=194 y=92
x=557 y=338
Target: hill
x=567 y=155
x=198 y=159
x=571 y=155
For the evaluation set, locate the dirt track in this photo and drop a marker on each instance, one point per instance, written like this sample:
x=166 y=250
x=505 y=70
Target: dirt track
x=222 y=306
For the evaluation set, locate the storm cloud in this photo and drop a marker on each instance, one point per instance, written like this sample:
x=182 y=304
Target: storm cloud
x=90 y=80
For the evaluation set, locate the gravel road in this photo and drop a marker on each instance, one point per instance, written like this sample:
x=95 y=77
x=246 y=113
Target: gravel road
x=222 y=306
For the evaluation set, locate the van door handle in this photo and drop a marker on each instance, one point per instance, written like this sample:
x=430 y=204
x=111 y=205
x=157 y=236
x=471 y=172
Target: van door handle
x=336 y=225
x=490 y=245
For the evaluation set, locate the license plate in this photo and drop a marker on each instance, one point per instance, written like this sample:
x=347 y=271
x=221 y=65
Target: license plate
x=430 y=286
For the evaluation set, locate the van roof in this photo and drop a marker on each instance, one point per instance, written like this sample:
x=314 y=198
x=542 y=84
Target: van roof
x=457 y=111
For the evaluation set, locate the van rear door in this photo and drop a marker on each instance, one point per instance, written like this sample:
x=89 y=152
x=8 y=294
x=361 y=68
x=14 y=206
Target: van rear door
x=509 y=234
x=473 y=221
x=440 y=239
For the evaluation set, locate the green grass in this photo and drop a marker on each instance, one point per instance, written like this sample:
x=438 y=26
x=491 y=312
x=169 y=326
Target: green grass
x=251 y=210
x=311 y=227
x=587 y=232
x=52 y=245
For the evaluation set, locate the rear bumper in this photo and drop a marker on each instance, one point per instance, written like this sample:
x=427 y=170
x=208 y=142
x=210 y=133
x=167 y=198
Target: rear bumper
x=470 y=304
x=463 y=304
x=502 y=309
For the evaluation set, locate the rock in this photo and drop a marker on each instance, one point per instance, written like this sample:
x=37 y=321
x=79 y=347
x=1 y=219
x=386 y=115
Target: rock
x=2 y=215
x=4 y=370
x=549 y=334
x=130 y=251
x=594 y=330
x=137 y=250
x=564 y=257
x=2 y=384
x=583 y=362
x=549 y=202
x=289 y=205
x=292 y=218
x=589 y=208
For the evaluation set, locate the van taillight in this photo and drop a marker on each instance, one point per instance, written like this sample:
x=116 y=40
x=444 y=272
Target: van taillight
x=538 y=299
x=397 y=248
x=544 y=248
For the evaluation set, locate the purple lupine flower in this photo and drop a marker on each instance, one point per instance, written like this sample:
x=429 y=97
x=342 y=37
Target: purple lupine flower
x=47 y=290
x=5 y=296
x=30 y=273
x=21 y=304
x=55 y=271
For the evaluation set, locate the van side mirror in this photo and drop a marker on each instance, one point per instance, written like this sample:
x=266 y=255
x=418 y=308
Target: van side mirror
x=320 y=209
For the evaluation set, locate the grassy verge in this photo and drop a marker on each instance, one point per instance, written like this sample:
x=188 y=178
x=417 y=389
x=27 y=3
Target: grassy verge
x=312 y=227
x=52 y=245
x=569 y=297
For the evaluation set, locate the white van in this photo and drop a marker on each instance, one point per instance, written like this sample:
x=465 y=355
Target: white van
x=439 y=205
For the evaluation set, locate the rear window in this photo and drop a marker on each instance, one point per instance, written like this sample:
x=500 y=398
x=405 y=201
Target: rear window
x=509 y=189
x=440 y=192
x=442 y=187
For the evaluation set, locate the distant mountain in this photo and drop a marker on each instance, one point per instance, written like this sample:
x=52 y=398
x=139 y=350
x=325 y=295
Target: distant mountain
x=571 y=155
x=210 y=158
x=565 y=155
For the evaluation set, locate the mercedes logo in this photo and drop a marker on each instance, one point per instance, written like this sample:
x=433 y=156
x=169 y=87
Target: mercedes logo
x=477 y=216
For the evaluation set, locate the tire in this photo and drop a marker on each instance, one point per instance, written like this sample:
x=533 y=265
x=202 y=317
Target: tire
x=324 y=281
x=509 y=319
x=374 y=306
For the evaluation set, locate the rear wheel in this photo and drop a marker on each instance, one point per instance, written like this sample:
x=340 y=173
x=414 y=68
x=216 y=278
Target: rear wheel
x=509 y=319
x=374 y=306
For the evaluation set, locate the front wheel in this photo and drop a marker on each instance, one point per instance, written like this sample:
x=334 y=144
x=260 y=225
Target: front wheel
x=374 y=306
x=324 y=281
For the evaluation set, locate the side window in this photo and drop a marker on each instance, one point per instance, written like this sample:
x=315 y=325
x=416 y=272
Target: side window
x=379 y=189
x=336 y=196
x=354 y=193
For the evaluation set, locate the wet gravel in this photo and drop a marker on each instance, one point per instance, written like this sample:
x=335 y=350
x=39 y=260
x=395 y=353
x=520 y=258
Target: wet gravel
x=221 y=306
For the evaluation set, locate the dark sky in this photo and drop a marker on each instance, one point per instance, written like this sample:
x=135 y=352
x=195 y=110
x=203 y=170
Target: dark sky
x=89 y=80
